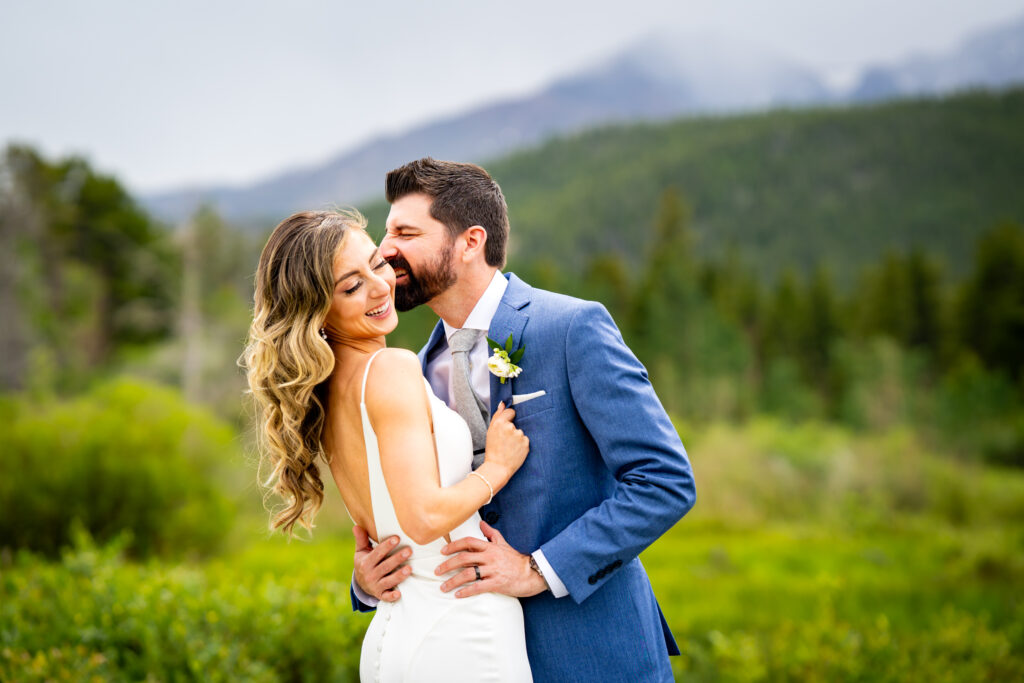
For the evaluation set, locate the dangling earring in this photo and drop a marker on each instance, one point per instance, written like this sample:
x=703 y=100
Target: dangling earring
x=323 y=333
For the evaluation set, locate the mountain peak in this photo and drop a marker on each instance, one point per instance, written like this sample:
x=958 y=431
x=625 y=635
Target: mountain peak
x=993 y=58
x=719 y=74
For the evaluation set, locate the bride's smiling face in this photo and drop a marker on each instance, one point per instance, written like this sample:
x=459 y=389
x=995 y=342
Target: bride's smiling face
x=362 y=305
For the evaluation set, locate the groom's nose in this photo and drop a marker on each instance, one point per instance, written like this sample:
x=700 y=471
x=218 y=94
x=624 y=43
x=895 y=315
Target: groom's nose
x=387 y=248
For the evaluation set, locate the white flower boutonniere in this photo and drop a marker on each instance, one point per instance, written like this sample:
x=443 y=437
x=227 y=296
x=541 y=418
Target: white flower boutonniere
x=502 y=362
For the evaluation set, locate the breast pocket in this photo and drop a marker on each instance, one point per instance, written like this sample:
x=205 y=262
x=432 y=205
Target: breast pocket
x=533 y=407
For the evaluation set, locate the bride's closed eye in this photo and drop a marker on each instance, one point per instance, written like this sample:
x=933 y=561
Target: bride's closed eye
x=356 y=286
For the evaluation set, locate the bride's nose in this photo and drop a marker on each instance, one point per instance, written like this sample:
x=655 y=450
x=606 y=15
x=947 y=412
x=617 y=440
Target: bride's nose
x=378 y=283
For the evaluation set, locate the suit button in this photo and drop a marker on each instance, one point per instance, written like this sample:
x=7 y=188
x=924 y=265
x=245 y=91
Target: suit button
x=491 y=517
x=616 y=564
x=592 y=580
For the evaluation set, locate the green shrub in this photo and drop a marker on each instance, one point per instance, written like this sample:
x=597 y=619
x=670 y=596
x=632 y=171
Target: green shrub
x=980 y=414
x=123 y=458
x=284 y=618
x=950 y=646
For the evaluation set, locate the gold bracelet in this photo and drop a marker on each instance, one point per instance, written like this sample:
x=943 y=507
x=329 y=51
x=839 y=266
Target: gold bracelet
x=484 y=480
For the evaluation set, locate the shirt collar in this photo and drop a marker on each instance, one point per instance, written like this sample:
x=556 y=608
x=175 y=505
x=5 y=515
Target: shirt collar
x=486 y=306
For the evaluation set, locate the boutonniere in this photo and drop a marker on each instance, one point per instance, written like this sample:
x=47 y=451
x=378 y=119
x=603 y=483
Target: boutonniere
x=502 y=362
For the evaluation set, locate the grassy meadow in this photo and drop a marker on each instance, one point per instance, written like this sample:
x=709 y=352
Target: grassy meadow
x=813 y=554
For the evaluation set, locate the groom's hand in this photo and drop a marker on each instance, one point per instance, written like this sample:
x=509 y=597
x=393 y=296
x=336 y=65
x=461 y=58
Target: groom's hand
x=376 y=573
x=503 y=569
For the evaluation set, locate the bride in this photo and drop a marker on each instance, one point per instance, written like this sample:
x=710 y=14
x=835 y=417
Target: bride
x=325 y=385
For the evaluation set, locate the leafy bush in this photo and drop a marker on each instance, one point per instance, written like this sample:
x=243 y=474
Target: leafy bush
x=93 y=615
x=123 y=458
x=980 y=414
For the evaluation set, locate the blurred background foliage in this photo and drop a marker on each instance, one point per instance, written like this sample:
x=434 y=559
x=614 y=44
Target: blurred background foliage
x=830 y=304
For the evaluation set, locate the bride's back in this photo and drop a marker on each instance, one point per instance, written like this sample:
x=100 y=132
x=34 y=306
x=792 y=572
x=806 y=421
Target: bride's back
x=342 y=439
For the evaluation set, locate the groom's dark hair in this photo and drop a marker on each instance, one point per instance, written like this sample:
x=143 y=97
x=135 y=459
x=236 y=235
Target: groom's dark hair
x=463 y=195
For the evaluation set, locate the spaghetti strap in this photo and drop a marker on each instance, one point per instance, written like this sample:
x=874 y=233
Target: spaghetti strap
x=366 y=373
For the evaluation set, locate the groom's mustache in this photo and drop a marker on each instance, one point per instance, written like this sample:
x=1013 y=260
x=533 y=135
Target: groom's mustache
x=397 y=262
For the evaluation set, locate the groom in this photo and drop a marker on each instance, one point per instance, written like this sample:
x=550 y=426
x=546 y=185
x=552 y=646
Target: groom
x=606 y=474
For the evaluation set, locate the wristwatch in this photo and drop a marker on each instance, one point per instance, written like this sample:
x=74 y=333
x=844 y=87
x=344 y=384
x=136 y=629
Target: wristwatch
x=535 y=567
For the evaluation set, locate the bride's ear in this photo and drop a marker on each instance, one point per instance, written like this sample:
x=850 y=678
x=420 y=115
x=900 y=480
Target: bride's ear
x=475 y=238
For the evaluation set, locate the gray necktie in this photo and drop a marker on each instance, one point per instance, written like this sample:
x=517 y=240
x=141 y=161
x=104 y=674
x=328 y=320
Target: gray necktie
x=467 y=403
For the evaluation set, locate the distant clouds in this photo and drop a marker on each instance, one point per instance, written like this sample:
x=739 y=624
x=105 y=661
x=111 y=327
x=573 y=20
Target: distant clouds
x=170 y=94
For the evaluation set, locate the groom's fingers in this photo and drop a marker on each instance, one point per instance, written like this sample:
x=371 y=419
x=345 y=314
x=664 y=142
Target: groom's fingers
x=492 y=534
x=377 y=555
x=459 y=561
x=392 y=579
x=386 y=569
x=467 y=575
x=362 y=539
x=463 y=545
x=477 y=587
x=375 y=572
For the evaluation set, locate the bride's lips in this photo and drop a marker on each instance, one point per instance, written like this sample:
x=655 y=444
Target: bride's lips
x=381 y=311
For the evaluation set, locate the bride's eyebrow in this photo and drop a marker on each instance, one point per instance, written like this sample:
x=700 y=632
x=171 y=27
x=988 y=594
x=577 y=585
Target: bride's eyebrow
x=353 y=272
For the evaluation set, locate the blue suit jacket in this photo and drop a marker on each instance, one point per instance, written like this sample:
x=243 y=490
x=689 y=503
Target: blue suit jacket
x=605 y=477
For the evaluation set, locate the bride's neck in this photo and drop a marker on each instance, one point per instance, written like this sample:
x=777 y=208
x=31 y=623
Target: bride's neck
x=348 y=350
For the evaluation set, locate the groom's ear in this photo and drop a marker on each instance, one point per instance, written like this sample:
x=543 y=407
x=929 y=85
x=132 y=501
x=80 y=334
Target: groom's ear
x=475 y=238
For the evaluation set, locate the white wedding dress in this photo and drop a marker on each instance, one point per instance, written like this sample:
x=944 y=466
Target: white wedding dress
x=428 y=635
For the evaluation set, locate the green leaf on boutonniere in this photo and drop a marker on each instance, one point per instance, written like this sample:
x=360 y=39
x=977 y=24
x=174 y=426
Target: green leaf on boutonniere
x=493 y=344
x=518 y=355
x=508 y=344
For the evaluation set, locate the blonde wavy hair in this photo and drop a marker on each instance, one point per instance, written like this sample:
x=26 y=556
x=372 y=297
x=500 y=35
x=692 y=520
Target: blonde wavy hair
x=286 y=360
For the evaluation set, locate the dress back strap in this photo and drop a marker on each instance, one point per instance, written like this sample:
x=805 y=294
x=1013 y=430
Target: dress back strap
x=366 y=373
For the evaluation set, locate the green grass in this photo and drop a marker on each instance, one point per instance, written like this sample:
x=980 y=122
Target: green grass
x=812 y=555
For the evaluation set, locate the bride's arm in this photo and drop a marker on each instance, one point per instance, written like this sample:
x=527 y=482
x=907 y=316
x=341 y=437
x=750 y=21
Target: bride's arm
x=397 y=403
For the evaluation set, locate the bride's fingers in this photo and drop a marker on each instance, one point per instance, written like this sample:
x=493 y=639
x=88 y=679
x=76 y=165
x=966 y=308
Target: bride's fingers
x=503 y=413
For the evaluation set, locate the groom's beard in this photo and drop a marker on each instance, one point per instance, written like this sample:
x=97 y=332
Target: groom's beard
x=420 y=288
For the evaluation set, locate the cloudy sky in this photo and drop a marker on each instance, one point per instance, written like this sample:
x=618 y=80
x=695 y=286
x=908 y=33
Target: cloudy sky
x=187 y=92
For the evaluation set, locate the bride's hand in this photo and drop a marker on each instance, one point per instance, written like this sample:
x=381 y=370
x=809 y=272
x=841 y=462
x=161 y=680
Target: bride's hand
x=507 y=446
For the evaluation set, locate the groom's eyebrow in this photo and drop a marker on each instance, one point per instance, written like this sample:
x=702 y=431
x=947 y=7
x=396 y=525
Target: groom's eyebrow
x=353 y=272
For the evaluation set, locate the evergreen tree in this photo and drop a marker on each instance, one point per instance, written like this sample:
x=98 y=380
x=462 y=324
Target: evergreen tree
x=607 y=281
x=821 y=327
x=991 y=310
x=668 y=294
x=94 y=273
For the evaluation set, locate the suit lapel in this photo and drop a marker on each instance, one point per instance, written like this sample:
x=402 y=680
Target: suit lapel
x=428 y=349
x=510 y=318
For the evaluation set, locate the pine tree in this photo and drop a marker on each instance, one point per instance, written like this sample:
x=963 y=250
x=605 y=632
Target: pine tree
x=991 y=310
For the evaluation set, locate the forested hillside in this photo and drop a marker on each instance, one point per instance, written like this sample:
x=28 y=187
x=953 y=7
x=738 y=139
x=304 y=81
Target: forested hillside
x=787 y=188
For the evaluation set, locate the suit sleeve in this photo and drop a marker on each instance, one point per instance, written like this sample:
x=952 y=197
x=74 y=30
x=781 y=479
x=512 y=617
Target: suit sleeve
x=637 y=442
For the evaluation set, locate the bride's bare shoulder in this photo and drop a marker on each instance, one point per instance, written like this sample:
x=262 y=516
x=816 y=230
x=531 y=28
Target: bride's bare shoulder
x=394 y=376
